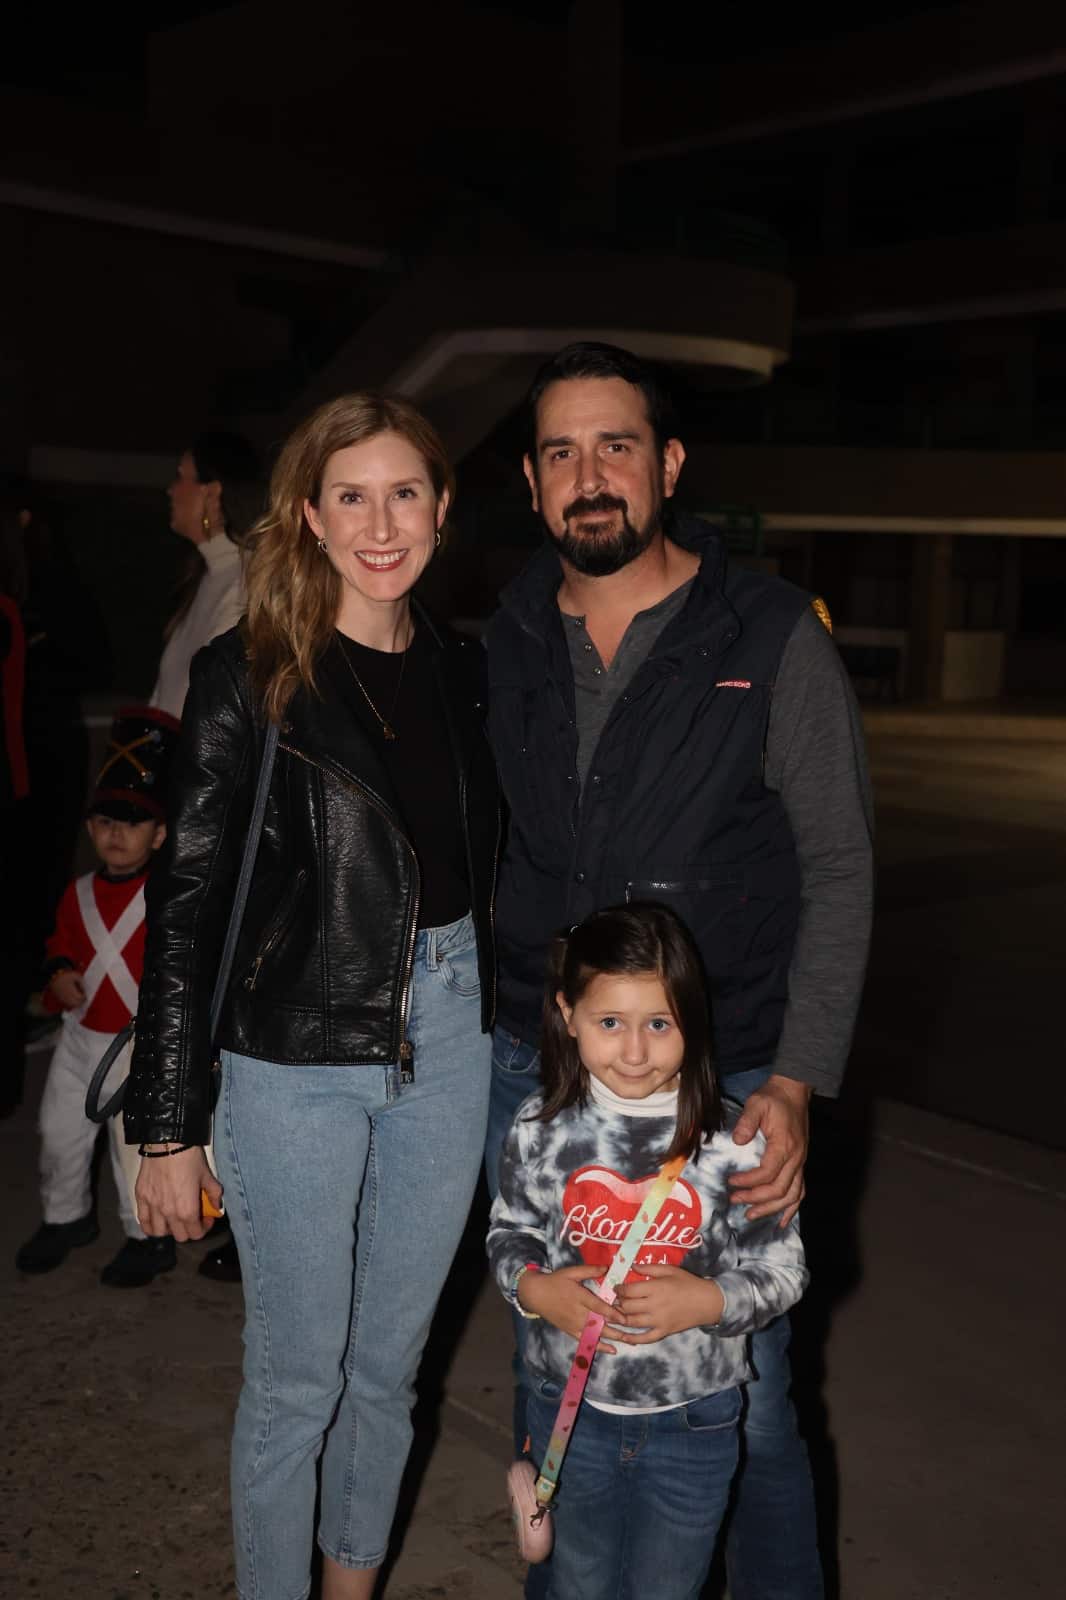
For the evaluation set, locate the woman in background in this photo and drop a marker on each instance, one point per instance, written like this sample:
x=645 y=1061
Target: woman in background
x=216 y=495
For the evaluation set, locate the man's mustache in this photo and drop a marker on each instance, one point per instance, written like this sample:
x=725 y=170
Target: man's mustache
x=592 y=505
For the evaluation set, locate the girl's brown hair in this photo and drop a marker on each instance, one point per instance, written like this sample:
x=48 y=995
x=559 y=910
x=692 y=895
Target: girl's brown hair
x=633 y=940
x=294 y=593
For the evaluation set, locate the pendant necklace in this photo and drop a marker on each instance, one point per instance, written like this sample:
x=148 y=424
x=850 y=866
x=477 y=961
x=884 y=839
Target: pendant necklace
x=387 y=729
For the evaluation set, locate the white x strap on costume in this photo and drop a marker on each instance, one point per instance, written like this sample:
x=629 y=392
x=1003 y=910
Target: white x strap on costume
x=67 y=1135
x=108 y=943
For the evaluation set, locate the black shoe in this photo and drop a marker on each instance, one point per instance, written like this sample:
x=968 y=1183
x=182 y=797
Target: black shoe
x=139 y=1261
x=222 y=1264
x=53 y=1242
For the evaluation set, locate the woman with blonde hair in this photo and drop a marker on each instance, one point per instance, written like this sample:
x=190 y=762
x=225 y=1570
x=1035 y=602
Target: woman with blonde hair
x=354 y=1056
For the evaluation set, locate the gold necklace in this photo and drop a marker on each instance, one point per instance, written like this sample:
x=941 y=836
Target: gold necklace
x=388 y=731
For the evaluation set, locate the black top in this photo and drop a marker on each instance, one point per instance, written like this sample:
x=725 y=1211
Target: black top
x=419 y=762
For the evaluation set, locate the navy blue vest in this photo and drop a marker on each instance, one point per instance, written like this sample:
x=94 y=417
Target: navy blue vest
x=675 y=808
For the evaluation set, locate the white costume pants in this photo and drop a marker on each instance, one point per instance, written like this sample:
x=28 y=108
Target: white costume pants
x=68 y=1137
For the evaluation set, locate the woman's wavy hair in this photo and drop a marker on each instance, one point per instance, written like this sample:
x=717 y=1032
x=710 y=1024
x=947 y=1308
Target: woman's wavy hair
x=633 y=940
x=227 y=459
x=294 y=592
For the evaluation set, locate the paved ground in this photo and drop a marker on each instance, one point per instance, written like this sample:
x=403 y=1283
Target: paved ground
x=960 y=1012
x=937 y=1433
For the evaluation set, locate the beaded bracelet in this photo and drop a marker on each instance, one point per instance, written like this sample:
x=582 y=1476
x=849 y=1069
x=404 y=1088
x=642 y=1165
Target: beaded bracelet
x=530 y=1316
x=155 y=1155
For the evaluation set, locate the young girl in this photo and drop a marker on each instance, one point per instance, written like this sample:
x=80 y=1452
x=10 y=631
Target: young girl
x=628 y=1084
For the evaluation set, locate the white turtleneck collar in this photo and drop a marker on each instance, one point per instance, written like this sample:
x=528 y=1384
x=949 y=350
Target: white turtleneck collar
x=663 y=1103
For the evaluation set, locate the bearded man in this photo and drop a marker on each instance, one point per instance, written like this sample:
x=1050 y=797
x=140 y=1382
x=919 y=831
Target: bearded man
x=670 y=727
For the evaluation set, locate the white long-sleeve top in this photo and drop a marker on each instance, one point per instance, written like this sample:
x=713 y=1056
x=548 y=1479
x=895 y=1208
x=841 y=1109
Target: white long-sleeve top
x=218 y=605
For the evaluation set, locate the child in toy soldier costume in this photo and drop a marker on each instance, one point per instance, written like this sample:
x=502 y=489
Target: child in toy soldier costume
x=95 y=960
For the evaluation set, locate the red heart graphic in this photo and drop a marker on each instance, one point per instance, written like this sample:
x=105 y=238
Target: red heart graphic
x=599 y=1205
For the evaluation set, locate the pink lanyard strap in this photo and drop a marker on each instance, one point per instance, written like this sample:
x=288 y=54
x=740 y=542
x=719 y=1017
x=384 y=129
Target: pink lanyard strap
x=620 y=1267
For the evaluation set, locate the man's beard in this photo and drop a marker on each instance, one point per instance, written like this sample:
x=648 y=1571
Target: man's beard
x=597 y=554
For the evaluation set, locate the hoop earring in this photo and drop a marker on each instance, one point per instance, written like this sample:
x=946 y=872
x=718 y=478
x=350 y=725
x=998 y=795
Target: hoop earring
x=437 y=546
x=322 y=545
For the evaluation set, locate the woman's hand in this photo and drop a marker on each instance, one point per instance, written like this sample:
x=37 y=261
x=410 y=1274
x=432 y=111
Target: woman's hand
x=668 y=1300
x=168 y=1193
x=68 y=988
x=561 y=1298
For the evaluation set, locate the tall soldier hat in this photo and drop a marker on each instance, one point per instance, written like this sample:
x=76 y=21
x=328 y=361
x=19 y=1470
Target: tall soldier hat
x=131 y=786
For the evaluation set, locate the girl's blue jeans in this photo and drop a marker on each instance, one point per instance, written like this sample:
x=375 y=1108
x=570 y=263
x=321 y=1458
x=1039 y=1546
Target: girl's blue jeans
x=347 y=1193
x=640 y=1498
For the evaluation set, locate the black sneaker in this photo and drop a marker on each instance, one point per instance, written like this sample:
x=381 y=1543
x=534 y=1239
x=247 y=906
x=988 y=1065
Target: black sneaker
x=139 y=1261
x=54 y=1241
x=222 y=1264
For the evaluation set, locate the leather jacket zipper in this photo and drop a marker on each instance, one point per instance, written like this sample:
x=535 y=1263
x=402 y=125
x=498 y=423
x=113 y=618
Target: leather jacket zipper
x=405 y=1050
x=281 y=922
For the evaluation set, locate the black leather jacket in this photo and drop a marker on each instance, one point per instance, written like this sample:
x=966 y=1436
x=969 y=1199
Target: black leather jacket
x=323 y=963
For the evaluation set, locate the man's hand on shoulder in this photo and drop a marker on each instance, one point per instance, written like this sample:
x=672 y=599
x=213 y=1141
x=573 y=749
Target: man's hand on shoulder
x=779 y=1111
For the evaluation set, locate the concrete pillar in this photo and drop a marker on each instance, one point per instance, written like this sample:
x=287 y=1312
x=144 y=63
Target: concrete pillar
x=1041 y=131
x=1020 y=374
x=930 y=598
x=836 y=200
x=1011 y=592
x=1010 y=605
x=594 y=103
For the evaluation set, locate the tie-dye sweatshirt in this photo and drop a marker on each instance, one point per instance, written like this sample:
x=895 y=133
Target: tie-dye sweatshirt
x=568 y=1190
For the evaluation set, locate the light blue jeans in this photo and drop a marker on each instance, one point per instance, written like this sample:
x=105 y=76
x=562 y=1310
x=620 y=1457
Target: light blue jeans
x=771 y=1542
x=347 y=1193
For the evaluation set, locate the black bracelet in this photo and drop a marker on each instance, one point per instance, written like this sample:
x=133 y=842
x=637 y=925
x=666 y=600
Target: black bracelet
x=155 y=1155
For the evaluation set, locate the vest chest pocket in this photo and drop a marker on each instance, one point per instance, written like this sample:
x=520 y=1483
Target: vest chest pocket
x=713 y=907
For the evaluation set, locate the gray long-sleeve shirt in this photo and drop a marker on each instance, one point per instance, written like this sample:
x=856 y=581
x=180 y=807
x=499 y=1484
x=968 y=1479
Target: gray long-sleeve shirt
x=816 y=761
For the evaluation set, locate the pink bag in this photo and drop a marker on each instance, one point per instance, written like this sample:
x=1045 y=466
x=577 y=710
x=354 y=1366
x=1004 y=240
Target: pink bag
x=532 y=1524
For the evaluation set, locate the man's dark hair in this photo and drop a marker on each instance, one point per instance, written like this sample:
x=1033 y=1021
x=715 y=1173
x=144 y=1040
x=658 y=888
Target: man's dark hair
x=633 y=940
x=588 y=359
